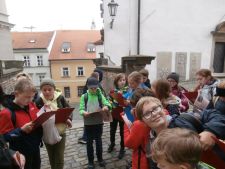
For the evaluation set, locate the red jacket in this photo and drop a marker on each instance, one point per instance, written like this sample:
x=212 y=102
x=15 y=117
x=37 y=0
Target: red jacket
x=18 y=140
x=137 y=136
x=21 y=118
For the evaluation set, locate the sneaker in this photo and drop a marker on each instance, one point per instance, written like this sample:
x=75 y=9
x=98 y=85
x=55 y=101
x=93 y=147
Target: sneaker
x=91 y=166
x=110 y=148
x=82 y=141
x=121 y=153
x=101 y=163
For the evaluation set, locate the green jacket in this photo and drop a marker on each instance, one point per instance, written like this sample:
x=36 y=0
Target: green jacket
x=92 y=106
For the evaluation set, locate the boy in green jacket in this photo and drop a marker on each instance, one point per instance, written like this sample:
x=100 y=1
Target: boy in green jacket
x=92 y=106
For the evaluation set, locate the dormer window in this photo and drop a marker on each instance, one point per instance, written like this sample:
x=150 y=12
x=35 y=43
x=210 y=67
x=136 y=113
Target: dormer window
x=66 y=47
x=90 y=47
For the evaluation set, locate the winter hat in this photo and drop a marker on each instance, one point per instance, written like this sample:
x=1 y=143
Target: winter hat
x=173 y=76
x=47 y=81
x=92 y=82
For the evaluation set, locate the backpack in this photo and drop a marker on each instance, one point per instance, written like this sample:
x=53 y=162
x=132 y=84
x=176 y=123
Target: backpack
x=86 y=100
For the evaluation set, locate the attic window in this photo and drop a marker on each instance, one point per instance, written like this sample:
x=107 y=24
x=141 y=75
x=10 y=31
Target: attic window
x=90 y=47
x=66 y=47
x=32 y=41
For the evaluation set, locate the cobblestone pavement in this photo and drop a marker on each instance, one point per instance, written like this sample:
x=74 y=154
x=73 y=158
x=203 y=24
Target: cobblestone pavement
x=75 y=154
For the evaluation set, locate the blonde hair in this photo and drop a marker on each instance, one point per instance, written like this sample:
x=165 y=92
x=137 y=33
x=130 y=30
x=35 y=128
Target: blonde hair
x=142 y=102
x=24 y=85
x=136 y=77
x=221 y=84
x=177 y=146
x=22 y=74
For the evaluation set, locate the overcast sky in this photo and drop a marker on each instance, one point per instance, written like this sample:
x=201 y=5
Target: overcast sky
x=47 y=15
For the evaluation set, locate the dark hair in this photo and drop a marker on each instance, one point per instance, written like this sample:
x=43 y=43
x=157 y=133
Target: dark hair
x=117 y=78
x=144 y=72
x=162 y=89
x=1 y=94
x=138 y=94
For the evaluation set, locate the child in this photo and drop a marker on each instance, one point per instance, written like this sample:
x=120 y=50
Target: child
x=177 y=90
x=208 y=124
x=146 y=80
x=120 y=87
x=162 y=90
x=176 y=149
x=92 y=105
x=54 y=100
x=17 y=126
x=206 y=84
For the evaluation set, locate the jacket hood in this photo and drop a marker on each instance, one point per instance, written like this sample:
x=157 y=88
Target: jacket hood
x=57 y=93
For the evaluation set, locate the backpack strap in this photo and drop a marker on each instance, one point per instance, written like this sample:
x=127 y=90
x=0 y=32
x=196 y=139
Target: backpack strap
x=85 y=101
x=13 y=117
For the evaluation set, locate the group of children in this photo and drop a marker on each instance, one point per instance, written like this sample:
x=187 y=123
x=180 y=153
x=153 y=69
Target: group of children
x=148 y=112
x=153 y=118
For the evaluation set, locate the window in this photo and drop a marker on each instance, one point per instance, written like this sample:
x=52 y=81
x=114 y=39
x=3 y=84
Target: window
x=80 y=90
x=90 y=47
x=65 y=71
x=40 y=60
x=41 y=77
x=67 y=92
x=80 y=71
x=26 y=61
x=66 y=47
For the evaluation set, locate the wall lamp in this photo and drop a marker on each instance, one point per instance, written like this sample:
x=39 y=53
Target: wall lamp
x=112 y=11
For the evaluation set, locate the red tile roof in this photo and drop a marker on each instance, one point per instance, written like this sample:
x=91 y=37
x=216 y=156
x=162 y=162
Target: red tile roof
x=78 y=40
x=31 y=40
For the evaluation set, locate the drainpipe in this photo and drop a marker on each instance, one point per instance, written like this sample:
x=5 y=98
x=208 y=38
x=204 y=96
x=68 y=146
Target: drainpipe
x=138 y=32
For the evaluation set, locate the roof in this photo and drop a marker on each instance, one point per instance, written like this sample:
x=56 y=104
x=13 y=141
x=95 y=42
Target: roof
x=31 y=40
x=77 y=40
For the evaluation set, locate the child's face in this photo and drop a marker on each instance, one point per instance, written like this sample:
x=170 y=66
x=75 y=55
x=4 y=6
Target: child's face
x=93 y=90
x=172 y=82
x=48 y=92
x=145 y=78
x=202 y=80
x=153 y=115
x=163 y=164
x=132 y=84
x=121 y=82
x=24 y=98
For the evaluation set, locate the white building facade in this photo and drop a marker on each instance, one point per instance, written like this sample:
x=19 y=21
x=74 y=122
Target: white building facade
x=36 y=59
x=177 y=32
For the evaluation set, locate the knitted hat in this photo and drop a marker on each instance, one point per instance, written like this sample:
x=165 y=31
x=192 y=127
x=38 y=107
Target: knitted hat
x=92 y=82
x=173 y=76
x=47 y=81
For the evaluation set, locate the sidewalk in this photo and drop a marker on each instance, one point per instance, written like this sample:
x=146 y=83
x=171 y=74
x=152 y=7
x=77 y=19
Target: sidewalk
x=75 y=154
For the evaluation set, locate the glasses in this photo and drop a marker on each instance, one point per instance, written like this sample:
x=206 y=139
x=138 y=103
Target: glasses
x=155 y=110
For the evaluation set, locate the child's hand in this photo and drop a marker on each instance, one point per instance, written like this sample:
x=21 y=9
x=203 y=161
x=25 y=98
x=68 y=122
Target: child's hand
x=105 y=109
x=69 y=123
x=207 y=140
x=19 y=159
x=27 y=128
x=86 y=114
x=126 y=102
